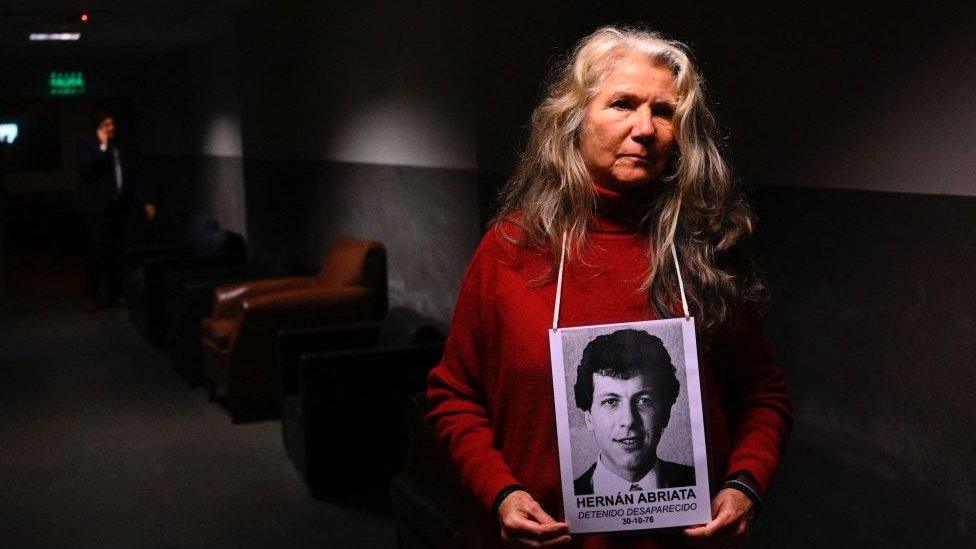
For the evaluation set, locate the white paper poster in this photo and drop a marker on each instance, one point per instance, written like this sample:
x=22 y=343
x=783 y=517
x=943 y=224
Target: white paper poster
x=629 y=419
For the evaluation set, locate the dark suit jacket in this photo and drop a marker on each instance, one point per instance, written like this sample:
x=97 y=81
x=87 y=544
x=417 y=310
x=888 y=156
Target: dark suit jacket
x=670 y=475
x=96 y=178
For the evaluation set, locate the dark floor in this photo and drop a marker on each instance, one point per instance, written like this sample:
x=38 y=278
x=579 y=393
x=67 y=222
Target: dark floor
x=103 y=445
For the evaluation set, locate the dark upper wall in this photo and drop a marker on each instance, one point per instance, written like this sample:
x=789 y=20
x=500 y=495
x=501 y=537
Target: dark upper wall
x=196 y=124
x=857 y=95
x=869 y=96
x=370 y=82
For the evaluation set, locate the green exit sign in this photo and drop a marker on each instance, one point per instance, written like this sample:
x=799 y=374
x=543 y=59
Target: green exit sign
x=66 y=83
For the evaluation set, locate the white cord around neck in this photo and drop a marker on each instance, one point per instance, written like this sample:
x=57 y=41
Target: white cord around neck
x=681 y=283
x=559 y=284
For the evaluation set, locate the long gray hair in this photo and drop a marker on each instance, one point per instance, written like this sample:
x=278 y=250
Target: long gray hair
x=697 y=209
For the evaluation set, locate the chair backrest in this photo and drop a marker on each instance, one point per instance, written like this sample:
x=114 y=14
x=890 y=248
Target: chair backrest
x=354 y=262
x=205 y=235
x=403 y=326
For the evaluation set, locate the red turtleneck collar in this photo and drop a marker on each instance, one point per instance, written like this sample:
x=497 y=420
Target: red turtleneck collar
x=621 y=211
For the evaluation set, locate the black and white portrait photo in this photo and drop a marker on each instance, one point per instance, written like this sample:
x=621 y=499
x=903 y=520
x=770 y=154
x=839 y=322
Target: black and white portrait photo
x=629 y=420
x=626 y=388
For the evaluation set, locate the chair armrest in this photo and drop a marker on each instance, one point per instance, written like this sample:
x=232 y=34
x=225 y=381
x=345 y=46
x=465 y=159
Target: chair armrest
x=193 y=300
x=293 y=343
x=338 y=337
x=175 y=281
x=210 y=284
x=315 y=298
x=379 y=364
x=228 y=300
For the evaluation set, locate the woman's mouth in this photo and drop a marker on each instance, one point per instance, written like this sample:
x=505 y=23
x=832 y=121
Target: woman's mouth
x=640 y=157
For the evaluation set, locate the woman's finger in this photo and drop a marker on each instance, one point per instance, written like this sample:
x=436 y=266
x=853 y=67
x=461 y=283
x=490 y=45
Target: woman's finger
x=719 y=527
x=528 y=528
x=556 y=542
x=548 y=526
x=525 y=523
x=536 y=511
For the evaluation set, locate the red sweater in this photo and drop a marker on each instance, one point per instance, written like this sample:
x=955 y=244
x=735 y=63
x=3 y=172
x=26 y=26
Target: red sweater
x=492 y=393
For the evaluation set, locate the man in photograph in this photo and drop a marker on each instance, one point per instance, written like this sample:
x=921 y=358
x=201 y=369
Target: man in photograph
x=626 y=386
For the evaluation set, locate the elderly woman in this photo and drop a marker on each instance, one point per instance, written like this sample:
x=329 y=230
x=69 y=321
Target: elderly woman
x=622 y=163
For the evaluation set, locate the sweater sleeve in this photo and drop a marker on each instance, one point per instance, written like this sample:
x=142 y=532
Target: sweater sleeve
x=762 y=413
x=459 y=407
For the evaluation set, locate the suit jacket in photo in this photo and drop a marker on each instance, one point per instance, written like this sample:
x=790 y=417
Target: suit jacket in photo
x=670 y=475
x=96 y=178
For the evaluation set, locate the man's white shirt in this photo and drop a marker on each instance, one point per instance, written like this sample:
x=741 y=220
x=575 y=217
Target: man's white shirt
x=116 y=164
x=606 y=482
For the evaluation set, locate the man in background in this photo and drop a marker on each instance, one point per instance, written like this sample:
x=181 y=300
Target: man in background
x=108 y=192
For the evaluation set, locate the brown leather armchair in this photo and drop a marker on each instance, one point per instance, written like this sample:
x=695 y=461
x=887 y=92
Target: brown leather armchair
x=239 y=345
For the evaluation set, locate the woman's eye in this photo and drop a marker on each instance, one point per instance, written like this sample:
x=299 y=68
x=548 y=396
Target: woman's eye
x=665 y=112
x=621 y=104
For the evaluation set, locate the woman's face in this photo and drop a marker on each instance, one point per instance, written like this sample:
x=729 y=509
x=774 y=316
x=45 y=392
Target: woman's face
x=628 y=136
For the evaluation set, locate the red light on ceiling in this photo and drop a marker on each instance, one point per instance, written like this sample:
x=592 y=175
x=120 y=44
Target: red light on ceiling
x=84 y=18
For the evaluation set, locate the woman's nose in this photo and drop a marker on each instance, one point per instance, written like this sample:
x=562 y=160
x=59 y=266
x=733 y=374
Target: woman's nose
x=644 y=124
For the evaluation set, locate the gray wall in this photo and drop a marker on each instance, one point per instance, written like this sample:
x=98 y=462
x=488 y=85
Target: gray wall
x=873 y=322
x=426 y=217
x=367 y=132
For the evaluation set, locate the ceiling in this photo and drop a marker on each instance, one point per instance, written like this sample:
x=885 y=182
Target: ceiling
x=116 y=27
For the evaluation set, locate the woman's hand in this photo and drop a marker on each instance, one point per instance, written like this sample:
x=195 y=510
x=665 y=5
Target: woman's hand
x=525 y=524
x=733 y=513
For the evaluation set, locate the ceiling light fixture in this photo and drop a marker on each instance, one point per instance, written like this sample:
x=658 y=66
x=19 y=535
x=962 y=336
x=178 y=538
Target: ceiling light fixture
x=55 y=36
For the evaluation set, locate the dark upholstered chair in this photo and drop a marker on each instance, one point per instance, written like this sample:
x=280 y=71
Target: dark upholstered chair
x=145 y=291
x=135 y=255
x=431 y=509
x=239 y=345
x=343 y=390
